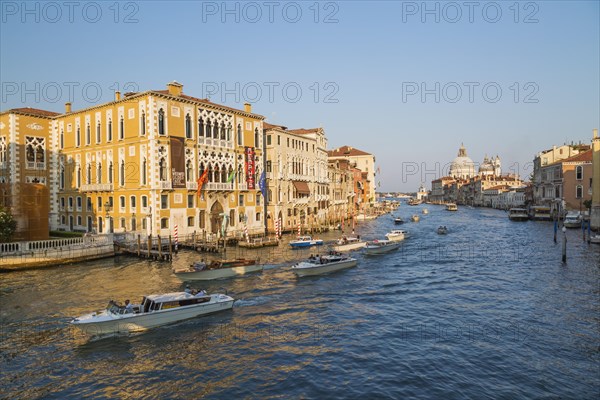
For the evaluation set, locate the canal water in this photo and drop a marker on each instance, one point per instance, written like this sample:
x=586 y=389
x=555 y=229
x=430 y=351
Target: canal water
x=487 y=311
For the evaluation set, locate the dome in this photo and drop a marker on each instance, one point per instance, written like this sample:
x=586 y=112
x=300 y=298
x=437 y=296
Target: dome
x=462 y=166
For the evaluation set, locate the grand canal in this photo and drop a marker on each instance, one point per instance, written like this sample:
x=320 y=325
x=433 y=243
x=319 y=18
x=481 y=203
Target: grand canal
x=487 y=311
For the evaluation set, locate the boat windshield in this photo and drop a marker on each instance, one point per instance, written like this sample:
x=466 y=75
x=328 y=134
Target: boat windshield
x=113 y=308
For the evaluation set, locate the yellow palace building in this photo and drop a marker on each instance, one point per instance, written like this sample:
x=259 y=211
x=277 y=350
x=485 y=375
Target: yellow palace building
x=136 y=164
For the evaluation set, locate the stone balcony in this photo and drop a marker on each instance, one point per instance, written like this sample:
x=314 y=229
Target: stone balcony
x=97 y=187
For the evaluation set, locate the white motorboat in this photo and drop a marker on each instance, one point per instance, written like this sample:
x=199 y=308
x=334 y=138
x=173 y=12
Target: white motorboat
x=323 y=265
x=425 y=211
x=451 y=207
x=381 y=246
x=349 y=243
x=305 y=241
x=442 y=230
x=572 y=220
x=595 y=238
x=154 y=310
x=518 y=214
x=396 y=235
x=201 y=271
x=415 y=218
x=540 y=213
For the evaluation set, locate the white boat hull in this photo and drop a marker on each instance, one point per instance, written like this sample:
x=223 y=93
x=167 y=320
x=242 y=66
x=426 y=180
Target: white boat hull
x=349 y=246
x=595 y=239
x=128 y=323
x=395 y=238
x=306 y=269
x=220 y=273
x=572 y=224
x=374 y=250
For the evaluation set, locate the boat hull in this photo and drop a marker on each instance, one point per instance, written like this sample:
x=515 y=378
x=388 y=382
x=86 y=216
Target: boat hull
x=349 y=246
x=129 y=323
x=519 y=218
x=219 y=273
x=381 y=249
x=324 y=268
x=572 y=224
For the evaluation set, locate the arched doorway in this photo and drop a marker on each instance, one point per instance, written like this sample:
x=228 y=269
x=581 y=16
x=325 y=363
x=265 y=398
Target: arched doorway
x=215 y=217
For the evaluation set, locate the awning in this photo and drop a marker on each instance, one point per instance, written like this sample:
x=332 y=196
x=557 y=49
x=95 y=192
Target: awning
x=301 y=187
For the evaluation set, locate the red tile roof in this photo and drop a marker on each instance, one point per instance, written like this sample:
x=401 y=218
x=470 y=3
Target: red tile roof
x=585 y=156
x=33 y=111
x=266 y=125
x=303 y=131
x=347 y=151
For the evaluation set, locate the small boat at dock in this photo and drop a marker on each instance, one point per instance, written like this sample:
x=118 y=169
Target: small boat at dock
x=154 y=310
x=572 y=220
x=218 y=269
x=518 y=214
x=318 y=265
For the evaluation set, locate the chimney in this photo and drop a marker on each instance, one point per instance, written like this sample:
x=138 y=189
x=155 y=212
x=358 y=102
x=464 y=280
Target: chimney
x=248 y=108
x=175 y=88
x=595 y=133
x=67 y=108
x=117 y=95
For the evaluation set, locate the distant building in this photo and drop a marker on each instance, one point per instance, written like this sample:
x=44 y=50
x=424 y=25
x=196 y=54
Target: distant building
x=361 y=160
x=595 y=214
x=422 y=193
x=462 y=167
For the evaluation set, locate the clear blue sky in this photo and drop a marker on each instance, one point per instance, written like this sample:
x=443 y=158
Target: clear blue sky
x=373 y=58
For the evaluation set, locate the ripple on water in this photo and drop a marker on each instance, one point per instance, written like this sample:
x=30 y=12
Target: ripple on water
x=487 y=311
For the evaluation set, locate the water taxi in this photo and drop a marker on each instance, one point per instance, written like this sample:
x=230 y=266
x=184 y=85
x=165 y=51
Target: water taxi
x=305 y=241
x=573 y=220
x=201 y=271
x=540 y=213
x=349 y=243
x=396 y=235
x=318 y=265
x=381 y=246
x=451 y=207
x=154 y=310
x=518 y=214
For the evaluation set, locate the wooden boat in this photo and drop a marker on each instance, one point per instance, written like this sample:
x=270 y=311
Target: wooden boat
x=349 y=243
x=323 y=265
x=218 y=269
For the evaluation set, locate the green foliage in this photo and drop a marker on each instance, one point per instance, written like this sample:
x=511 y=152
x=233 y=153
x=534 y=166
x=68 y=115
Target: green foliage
x=8 y=225
x=587 y=204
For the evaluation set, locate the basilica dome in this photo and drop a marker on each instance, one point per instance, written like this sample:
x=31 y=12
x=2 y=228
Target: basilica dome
x=462 y=166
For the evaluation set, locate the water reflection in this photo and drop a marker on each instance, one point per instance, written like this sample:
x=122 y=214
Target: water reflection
x=487 y=310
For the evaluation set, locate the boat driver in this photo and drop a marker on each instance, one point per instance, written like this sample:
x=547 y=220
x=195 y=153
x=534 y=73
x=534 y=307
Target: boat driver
x=128 y=307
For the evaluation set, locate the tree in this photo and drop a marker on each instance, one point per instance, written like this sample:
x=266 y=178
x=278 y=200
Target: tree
x=8 y=225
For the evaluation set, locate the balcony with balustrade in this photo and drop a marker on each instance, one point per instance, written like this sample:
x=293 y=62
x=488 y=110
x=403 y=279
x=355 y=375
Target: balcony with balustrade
x=217 y=186
x=97 y=187
x=191 y=185
x=36 y=165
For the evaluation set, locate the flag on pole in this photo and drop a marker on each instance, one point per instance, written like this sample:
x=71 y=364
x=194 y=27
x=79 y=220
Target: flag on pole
x=231 y=176
x=201 y=181
x=262 y=185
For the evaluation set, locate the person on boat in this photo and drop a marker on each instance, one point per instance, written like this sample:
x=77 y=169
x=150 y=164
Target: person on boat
x=128 y=307
x=201 y=293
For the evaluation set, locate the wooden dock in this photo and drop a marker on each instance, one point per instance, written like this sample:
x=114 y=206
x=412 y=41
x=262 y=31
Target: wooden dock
x=153 y=248
x=259 y=242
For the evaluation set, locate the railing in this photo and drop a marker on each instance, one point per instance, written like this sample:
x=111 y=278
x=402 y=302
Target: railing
x=97 y=187
x=242 y=186
x=219 y=186
x=192 y=185
x=54 y=244
x=36 y=165
x=165 y=185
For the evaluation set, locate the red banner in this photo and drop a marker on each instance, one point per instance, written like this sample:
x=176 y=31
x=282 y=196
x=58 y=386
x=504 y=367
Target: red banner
x=249 y=164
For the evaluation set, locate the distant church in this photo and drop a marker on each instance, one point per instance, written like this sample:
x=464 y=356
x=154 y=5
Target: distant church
x=462 y=167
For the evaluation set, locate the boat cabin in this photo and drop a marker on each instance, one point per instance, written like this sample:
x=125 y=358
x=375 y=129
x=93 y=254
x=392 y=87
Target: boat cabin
x=160 y=302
